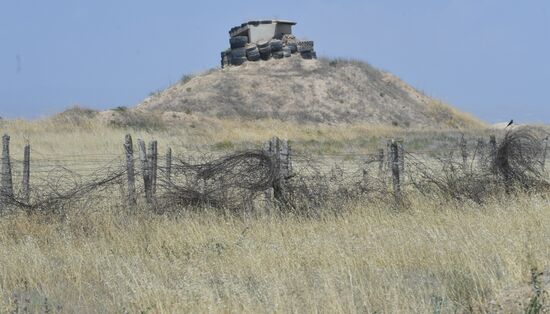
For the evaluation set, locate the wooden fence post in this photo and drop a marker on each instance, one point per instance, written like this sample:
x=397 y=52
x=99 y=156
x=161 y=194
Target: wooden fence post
x=482 y=162
x=464 y=153
x=129 y=151
x=6 y=180
x=145 y=171
x=26 y=173
x=544 y=152
x=153 y=159
x=401 y=156
x=381 y=162
x=281 y=154
x=169 y=166
x=394 y=153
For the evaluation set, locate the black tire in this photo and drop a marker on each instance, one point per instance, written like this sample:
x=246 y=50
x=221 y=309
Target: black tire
x=238 y=56
x=266 y=50
x=238 y=42
x=286 y=52
x=278 y=54
x=265 y=55
x=250 y=47
x=276 y=45
x=253 y=55
x=263 y=44
x=293 y=47
x=306 y=55
x=237 y=61
x=238 y=53
x=314 y=55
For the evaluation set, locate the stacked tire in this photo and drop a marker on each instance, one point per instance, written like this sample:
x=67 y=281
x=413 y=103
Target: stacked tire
x=252 y=53
x=238 y=42
x=276 y=49
x=242 y=51
x=306 y=50
x=265 y=50
x=238 y=56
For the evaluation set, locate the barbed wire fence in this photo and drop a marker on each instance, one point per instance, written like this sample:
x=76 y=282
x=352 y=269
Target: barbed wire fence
x=272 y=178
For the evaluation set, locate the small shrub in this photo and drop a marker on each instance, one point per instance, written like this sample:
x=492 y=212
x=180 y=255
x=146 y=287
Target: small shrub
x=185 y=78
x=224 y=145
x=120 y=109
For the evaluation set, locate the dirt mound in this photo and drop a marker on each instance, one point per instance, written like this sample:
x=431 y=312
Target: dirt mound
x=328 y=91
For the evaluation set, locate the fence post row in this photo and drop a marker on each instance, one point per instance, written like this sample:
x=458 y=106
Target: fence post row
x=6 y=177
x=26 y=173
x=145 y=171
x=129 y=151
x=395 y=169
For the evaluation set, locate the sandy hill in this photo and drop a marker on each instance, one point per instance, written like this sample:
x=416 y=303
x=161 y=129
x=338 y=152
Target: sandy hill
x=294 y=89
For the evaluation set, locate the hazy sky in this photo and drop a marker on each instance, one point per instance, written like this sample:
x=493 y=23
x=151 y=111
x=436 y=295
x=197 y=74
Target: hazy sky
x=487 y=57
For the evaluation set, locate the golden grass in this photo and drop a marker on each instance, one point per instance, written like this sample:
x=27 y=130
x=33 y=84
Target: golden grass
x=367 y=259
x=56 y=136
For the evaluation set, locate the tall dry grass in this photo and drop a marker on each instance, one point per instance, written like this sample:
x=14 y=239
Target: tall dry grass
x=433 y=257
x=443 y=258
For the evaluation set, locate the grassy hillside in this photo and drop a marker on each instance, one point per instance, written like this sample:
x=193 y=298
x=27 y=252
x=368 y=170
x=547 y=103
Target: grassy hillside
x=293 y=89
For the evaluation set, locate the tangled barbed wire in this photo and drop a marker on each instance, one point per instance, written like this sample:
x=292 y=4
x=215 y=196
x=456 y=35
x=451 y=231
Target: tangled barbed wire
x=248 y=180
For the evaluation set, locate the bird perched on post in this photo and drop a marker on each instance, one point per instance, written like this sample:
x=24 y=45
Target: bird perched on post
x=510 y=123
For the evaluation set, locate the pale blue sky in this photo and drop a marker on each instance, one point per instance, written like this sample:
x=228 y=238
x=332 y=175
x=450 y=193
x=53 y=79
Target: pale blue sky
x=487 y=57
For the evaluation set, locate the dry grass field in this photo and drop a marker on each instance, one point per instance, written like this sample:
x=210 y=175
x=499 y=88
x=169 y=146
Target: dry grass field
x=364 y=256
x=442 y=258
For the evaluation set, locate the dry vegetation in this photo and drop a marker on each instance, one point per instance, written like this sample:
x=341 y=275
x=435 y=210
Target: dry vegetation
x=328 y=91
x=443 y=258
x=436 y=255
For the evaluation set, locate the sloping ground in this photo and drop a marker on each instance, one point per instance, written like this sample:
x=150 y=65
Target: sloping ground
x=307 y=91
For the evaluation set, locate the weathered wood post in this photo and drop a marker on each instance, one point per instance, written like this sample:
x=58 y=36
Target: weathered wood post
x=480 y=150
x=153 y=159
x=544 y=152
x=6 y=190
x=281 y=155
x=129 y=151
x=394 y=153
x=26 y=173
x=169 y=166
x=145 y=170
x=381 y=162
x=401 y=156
x=464 y=153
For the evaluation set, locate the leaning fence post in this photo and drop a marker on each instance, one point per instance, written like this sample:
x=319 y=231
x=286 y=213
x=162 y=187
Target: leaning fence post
x=169 y=166
x=145 y=171
x=544 y=152
x=464 y=153
x=26 y=173
x=129 y=151
x=153 y=158
x=394 y=153
x=7 y=183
